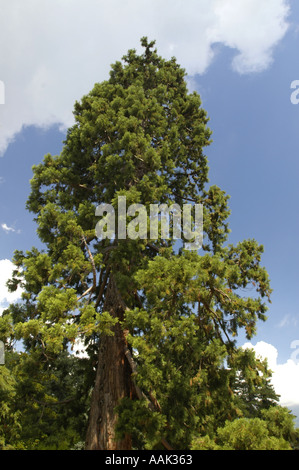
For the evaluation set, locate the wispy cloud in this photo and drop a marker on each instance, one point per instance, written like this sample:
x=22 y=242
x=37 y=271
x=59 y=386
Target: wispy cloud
x=289 y=320
x=8 y=229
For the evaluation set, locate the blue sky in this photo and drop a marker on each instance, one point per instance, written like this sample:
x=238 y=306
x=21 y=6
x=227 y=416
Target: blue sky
x=254 y=158
x=240 y=56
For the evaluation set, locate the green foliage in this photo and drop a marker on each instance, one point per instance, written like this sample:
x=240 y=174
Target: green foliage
x=280 y=423
x=275 y=432
x=42 y=408
x=9 y=417
x=183 y=346
x=135 y=416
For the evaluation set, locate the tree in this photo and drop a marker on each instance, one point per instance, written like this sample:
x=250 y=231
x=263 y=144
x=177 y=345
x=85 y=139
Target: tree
x=9 y=418
x=275 y=432
x=158 y=321
x=42 y=404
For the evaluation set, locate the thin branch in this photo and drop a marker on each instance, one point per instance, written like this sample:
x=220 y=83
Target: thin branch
x=44 y=403
x=185 y=198
x=166 y=445
x=94 y=271
x=139 y=158
x=90 y=289
x=102 y=287
x=82 y=186
x=138 y=300
x=151 y=245
x=85 y=187
x=155 y=402
x=222 y=293
x=216 y=321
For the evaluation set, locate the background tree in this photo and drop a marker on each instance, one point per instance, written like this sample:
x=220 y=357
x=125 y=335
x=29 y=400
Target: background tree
x=9 y=418
x=275 y=432
x=159 y=322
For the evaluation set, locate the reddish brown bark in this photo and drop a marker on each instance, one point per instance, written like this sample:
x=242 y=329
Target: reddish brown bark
x=112 y=382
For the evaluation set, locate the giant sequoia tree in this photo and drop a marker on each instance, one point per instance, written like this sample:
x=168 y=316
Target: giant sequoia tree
x=158 y=321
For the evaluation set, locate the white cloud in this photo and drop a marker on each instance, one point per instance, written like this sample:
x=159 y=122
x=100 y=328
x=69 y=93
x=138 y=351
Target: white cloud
x=8 y=229
x=285 y=377
x=52 y=52
x=6 y=297
x=253 y=27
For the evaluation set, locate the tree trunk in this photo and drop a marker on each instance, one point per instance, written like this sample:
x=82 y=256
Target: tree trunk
x=112 y=382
